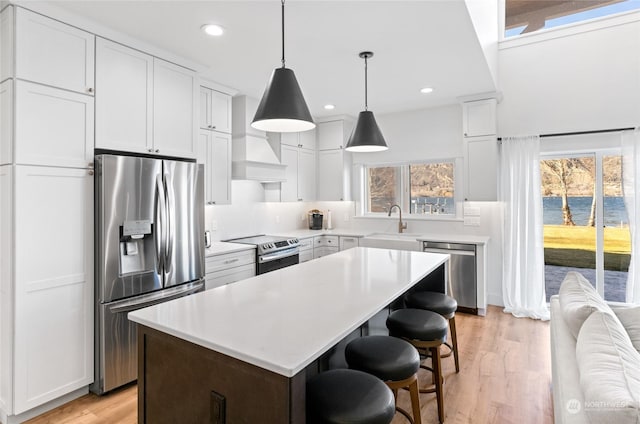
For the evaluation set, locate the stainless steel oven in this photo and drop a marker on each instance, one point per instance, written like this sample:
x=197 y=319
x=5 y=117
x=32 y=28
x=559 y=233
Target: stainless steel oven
x=272 y=252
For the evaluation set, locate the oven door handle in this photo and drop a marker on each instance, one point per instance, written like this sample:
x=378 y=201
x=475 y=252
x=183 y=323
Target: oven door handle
x=278 y=255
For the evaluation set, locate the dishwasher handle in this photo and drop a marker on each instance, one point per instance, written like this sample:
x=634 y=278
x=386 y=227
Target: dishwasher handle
x=449 y=246
x=450 y=252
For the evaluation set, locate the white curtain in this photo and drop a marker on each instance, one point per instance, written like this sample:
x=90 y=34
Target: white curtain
x=631 y=189
x=523 y=250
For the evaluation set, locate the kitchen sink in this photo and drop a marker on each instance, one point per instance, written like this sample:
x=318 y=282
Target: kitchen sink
x=398 y=241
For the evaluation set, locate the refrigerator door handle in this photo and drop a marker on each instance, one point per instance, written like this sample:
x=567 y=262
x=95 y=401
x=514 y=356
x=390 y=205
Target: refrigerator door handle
x=170 y=227
x=132 y=305
x=160 y=224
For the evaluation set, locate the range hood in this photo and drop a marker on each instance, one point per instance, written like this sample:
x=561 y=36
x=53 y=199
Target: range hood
x=253 y=158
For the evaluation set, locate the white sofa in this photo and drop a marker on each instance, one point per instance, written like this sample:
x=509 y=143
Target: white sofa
x=595 y=354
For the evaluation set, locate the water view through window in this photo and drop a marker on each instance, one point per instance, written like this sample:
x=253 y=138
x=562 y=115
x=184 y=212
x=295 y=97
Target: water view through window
x=575 y=209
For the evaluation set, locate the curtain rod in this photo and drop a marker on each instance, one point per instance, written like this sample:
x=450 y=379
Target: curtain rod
x=582 y=132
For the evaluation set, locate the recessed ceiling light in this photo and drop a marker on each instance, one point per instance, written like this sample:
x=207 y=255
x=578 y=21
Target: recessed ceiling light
x=213 y=29
x=426 y=90
x=329 y=107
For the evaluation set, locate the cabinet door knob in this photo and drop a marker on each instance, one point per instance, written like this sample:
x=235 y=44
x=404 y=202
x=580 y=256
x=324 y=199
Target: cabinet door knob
x=157 y=150
x=90 y=172
x=213 y=127
x=150 y=150
x=90 y=164
x=89 y=90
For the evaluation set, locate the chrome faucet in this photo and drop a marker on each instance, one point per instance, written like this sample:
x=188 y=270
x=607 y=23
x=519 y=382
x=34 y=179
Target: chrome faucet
x=401 y=225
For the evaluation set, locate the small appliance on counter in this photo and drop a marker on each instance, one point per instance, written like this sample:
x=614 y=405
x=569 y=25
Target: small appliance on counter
x=315 y=219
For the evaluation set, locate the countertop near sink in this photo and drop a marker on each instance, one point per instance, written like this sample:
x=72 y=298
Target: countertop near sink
x=310 y=233
x=222 y=247
x=467 y=239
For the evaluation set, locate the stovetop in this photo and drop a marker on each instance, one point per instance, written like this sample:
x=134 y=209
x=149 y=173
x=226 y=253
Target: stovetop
x=268 y=244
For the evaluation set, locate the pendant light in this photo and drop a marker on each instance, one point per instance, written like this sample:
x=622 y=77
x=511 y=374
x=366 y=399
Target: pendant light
x=366 y=136
x=282 y=108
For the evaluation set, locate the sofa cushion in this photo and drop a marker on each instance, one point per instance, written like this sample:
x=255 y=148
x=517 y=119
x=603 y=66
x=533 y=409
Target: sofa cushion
x=630 y=319
x=578 y=299
x=609 y=371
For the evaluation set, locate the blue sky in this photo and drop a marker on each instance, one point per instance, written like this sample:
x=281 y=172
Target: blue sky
x=583 y=16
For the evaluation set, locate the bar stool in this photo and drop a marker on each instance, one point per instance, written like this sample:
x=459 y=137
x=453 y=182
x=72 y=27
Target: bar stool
x=426 y=330
x=443 y=305
x=394 y=361
x=348 y=396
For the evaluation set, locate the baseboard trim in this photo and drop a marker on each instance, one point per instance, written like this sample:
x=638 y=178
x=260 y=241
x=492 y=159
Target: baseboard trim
x=39 y=410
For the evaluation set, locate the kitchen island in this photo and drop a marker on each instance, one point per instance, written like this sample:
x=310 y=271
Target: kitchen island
x=239 y=353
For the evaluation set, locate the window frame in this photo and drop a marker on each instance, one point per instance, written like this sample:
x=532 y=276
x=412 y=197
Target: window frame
x=404 y=190
x=562 y=30
x=598 y=146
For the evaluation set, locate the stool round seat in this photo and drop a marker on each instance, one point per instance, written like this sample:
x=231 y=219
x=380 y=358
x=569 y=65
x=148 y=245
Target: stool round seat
x=417 y=324
x=348 y=396
x=388 y=358
x=432 y=301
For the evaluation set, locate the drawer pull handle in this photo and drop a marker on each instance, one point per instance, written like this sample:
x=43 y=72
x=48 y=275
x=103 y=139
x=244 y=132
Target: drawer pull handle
x=230 y=261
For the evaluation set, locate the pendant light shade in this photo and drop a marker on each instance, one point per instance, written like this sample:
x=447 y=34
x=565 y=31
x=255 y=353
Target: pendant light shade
x=366 y=136
x=282 y=108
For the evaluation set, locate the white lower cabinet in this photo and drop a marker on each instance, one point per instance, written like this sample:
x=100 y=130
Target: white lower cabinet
x=53 y=284
x=6 y=291
x=325 y=245
x=229 y=267
x=306 y=249
x=347 y=242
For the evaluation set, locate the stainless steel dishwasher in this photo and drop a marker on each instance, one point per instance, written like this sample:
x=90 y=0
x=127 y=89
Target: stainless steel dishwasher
x=462 y=272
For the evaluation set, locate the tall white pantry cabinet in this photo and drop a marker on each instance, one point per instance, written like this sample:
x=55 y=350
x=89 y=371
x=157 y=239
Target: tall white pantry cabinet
x=46 y=210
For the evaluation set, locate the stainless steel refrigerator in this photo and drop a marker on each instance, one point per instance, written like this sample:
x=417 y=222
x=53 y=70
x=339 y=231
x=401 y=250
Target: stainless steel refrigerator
x=149 y=249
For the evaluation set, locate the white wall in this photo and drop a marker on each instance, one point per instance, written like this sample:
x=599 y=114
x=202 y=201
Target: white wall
x=434 y=133
x=578 y=82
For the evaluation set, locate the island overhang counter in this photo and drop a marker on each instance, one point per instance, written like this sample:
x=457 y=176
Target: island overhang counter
x=238 y=353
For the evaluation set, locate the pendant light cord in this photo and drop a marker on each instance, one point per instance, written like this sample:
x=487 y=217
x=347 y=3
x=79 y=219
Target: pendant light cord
x=366 y=107
x=283 y=34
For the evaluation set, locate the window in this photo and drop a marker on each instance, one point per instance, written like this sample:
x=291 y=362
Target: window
x=526 y=16
x=585 y=221
x=421 y=189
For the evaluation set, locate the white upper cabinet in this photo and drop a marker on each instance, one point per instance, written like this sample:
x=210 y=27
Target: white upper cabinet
x=332 y=134
x=480 y=150
x=175 y=91
x=53 y=127
x=52 y=53
x=6 y=122
x=144 y=104
x=304 y=139
x=482 y=168
x=334 y=163
x=300 y=174
x=124 y=80
x=215 y=110
x=479 y=118
x=214 y=151
x=289 y=188
x=334 y=175
x=6 y=43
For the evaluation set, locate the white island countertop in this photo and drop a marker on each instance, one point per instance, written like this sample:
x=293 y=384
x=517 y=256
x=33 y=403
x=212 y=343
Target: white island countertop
x=285 y=319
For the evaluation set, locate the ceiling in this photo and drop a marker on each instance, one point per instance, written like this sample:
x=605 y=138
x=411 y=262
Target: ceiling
x=416 y=44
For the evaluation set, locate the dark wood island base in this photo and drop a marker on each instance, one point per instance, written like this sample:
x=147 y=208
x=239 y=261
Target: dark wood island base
x=181 y=382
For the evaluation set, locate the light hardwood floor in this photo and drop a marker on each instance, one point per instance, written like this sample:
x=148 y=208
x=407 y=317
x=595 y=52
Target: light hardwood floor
x=505 y=377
